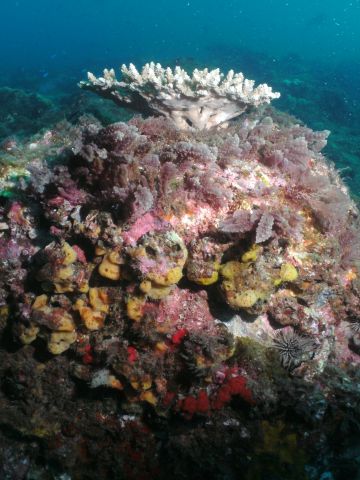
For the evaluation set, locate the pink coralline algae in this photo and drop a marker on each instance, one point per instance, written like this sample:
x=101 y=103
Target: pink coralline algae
x=253 y=212
x=181 y=274
x=126 y=188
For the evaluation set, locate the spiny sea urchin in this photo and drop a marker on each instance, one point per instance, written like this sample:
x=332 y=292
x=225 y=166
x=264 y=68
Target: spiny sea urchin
x=293 y=348
x=355 y=325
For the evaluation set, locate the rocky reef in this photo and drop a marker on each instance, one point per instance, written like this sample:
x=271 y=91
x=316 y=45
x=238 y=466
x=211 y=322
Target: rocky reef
x=179 y=302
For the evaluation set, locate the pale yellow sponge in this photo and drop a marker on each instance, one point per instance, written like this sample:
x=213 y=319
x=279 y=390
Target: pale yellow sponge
x=288 y=272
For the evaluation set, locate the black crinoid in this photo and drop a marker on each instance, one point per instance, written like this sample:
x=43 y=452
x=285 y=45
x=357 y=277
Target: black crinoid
x=293 y=348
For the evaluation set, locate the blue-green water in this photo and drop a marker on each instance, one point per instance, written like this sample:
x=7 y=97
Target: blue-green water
x=84 y=33
x=308 y=50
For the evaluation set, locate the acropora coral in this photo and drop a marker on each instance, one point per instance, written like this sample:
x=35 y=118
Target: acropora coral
x=204 y=100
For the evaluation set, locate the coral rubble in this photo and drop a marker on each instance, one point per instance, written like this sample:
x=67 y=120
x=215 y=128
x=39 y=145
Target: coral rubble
x=192 y=294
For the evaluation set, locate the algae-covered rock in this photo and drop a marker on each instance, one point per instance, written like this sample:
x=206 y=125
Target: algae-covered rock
x=179 y=303
x=158 y=260
x=204 y=260
x=246 y=285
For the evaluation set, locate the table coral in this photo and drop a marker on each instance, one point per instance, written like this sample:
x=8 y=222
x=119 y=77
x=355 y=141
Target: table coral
x=203 y=100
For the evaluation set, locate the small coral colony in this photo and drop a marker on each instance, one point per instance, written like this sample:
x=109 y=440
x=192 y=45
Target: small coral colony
x=188 y=258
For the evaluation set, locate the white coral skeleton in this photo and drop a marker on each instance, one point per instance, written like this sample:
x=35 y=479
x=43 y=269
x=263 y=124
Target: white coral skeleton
x=204 y=100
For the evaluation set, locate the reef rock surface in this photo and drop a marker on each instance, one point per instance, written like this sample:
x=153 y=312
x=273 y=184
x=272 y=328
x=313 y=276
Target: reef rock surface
x=181 y=303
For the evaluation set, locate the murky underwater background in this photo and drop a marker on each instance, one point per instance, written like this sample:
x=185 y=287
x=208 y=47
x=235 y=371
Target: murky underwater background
x=308 y=50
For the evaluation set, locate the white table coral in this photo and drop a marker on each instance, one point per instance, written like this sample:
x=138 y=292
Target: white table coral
x=204 y=100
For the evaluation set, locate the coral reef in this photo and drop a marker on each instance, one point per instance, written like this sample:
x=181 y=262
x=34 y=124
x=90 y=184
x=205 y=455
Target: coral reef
x=23 y=113
x=20 y=159
x=204 y=100
x=179 y=302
